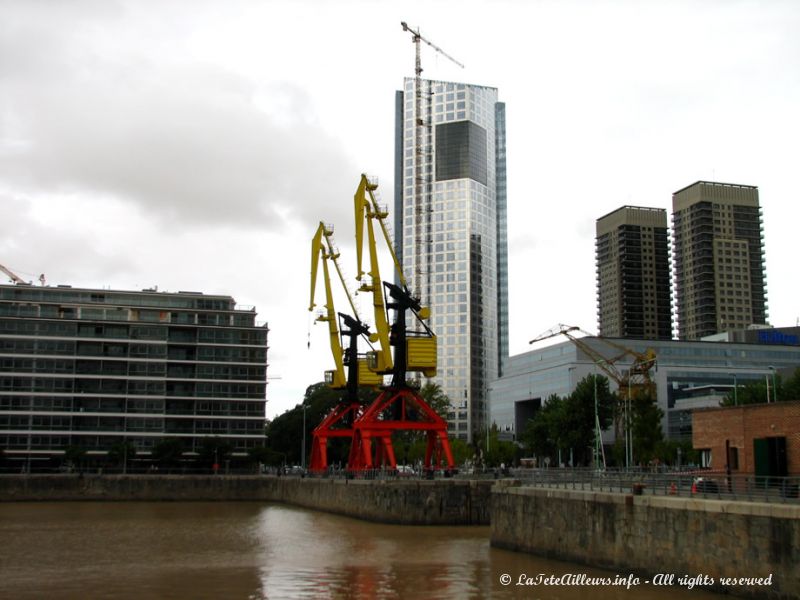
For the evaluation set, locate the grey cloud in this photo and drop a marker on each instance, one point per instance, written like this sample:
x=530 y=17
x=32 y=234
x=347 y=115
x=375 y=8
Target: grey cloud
x=186 y=142
x=64 y=255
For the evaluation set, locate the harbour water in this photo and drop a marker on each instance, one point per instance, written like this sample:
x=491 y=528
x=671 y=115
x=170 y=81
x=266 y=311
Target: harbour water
x=252 y=550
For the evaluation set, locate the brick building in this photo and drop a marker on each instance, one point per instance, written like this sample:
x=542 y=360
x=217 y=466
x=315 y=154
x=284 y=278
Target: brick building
x=755 y=439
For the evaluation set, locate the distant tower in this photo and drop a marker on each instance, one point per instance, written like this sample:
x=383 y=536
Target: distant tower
x=451 y=224
x=719 y=259
x=633 y=287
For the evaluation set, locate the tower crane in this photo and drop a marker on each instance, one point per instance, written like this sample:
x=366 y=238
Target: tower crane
x=422 y=200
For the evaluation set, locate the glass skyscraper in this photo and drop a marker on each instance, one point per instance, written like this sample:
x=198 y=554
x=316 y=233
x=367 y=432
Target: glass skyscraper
x=450 y=218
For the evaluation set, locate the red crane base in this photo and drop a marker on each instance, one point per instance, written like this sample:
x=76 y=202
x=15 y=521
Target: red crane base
x=397 y=409
x=331 y=426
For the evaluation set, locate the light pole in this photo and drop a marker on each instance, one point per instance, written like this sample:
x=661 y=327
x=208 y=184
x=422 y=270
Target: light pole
x=598 y=448
x=735 y=391
x=774 y=386
x=628 y=432
x=303 y=449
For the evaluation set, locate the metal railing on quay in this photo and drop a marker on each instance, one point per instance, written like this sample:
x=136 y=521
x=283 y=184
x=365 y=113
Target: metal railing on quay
x=694 y=483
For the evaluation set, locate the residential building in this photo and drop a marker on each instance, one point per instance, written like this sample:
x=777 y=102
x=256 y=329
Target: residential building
x=633 y=284
x=687 y=375
x=451 y=223
x=718 y=250
x=90 y=368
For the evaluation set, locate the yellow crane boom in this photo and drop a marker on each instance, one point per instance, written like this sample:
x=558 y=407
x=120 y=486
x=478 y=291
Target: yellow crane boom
x=323 y=250
x=367 y=211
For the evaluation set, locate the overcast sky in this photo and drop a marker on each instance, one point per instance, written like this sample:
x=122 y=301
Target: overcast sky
x=195 y=145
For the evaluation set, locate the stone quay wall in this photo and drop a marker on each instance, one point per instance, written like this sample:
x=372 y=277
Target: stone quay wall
x=649 y=535
x=404 y=501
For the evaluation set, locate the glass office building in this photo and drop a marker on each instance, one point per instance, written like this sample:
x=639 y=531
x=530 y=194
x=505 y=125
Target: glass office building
x=687 y=375
x=451 y=223
x=91 y=368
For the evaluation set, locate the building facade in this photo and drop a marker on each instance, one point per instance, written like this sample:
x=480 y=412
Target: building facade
x=451 y=223
x=756 y=439
x=91 y=368
x=687 y=376
x=718 y=250
x=633 y=283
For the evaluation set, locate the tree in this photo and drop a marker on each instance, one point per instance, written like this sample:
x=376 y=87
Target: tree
x=213 y=451
x=439 y=401
x=265 y=456
x=790 y=389
x=542 y=433
x=646 y=419
x=121 y=453
x=74 y=456
x=285 y=432
x=577 y=422
x=167 y=452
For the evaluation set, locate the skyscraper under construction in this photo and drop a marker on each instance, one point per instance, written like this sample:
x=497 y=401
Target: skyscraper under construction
x=451 y=224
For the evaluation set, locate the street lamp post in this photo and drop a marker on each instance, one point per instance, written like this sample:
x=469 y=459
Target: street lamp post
x=628 y=432
x=774 y=386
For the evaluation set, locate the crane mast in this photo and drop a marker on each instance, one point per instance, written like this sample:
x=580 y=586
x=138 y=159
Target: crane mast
x=422 y=187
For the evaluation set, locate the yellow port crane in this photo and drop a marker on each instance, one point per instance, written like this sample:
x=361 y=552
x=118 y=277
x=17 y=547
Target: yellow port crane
x=323 y=250
x=637 y=376
x=418 y=348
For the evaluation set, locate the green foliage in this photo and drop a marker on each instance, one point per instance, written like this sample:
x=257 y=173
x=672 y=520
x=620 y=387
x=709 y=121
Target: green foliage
x=168 y=452
x=213 y=450
x=432 y=394
x=285 y=432
x=646 y=427
x=755 y=391
x=499 y=451
x=569 y=423
x=266 y=456
x=542 y=434
x=121 y=452
x=790 y=390
x=74 y=455
x=666 y=452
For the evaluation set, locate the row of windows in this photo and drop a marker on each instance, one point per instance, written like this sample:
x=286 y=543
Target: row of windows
x=131 y=369
x=100 y=442
x=139 y=388
x=131 y=405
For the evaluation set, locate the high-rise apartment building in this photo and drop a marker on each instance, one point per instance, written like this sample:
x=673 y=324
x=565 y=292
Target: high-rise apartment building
x=633 y=284
x=451 y=223
x=90 y=368
x=719 y=259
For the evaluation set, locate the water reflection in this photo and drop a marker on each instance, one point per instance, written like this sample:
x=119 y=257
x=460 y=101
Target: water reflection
x=260 y=551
